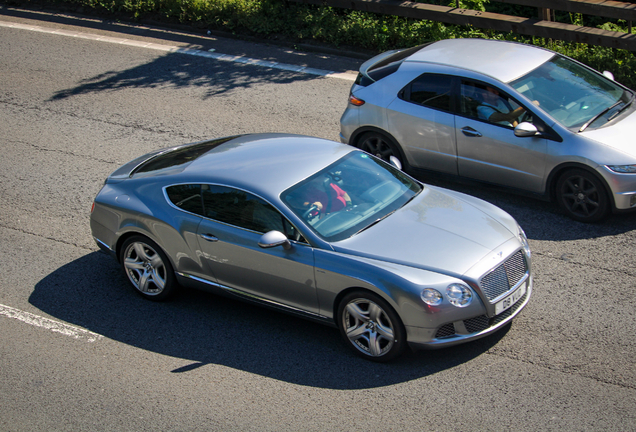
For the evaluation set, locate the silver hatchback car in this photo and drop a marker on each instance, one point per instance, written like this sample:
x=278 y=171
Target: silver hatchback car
x=502 y=113
x=320 y=230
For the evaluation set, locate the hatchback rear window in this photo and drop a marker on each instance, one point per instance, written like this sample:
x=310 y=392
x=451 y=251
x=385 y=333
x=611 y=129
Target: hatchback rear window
x=387 y=66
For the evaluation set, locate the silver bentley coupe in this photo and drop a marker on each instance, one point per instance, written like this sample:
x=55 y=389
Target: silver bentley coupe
x=317 y=229
x=503 y=113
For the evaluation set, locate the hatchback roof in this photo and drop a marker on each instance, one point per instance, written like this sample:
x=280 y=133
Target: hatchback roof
x=501 y=60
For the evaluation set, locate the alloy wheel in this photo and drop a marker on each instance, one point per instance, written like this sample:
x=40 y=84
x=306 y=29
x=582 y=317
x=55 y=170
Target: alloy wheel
x=582 y=196
x=145 y=268
x=371 y=327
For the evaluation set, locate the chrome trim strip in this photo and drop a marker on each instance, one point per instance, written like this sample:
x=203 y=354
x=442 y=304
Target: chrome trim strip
x=171 y=204
x=102 y=245
x=511 y=290
x=254 y=297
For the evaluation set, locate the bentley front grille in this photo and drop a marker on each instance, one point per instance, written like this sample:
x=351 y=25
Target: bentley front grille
x=504 y=277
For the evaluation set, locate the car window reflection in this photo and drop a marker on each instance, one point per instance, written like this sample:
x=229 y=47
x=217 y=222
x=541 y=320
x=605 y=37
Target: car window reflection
x=488 y=103
x=354 y=192
x=231 y=206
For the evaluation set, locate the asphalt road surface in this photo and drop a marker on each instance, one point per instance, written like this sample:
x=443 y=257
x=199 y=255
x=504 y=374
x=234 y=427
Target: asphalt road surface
x=80 y=351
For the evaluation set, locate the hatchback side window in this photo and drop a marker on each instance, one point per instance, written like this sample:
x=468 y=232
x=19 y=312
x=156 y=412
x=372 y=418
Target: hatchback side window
x=244 y=210
x=187 y=197
x=479 y=100
x=430 y=90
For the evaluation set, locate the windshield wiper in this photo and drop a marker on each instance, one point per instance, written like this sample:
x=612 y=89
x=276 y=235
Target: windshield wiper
x=597 y=116
x=613 y=116
x=375 y=222
x=387 y=215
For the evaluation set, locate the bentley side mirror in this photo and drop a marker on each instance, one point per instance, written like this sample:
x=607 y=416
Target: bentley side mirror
x=274 y=238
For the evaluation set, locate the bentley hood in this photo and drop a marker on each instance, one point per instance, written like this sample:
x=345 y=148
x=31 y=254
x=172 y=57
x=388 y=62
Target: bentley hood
x=440 y=230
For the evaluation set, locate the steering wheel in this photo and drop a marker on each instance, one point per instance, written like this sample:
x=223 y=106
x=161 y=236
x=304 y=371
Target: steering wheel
x=335 y=176
x=526 y=116
x=309 y=211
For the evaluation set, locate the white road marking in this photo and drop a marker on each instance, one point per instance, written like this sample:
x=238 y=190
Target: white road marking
x=49 y=324
x=349 y=76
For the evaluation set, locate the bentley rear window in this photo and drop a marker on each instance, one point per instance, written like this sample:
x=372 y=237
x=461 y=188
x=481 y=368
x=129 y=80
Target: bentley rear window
x=179 y=156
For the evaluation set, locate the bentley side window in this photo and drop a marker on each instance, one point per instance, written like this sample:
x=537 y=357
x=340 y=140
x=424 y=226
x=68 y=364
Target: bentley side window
x=187 y=197
x=244 y=210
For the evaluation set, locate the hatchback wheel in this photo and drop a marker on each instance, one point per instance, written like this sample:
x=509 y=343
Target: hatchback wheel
x=582 y=196
x=379 y=146
x=148 y=268
x=371 y=327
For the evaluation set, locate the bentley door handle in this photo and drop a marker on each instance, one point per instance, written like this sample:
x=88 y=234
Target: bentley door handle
x=470 y=132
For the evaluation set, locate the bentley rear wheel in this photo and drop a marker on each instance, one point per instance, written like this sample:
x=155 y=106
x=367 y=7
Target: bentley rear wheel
x=148 y=268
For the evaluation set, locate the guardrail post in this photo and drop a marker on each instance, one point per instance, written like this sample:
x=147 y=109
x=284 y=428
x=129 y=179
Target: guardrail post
x=545 y=14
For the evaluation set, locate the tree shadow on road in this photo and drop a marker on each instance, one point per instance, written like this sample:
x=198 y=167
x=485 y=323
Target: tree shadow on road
x=201 y=328
x=184 y=71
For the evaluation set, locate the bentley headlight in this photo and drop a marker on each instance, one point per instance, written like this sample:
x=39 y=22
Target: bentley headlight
x=431 y=296
x=524 y=241
x=623 y=169
x=459 y=295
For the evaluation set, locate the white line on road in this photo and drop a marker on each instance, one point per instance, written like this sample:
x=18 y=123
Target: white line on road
x=349 y=76
x=49 y=324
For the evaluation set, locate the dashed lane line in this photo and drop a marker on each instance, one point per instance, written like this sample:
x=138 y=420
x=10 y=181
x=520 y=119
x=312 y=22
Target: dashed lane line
x=49 y=324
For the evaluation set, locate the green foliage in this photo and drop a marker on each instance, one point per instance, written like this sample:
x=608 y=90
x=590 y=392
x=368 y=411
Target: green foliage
x=341 y=27
x=478 y=5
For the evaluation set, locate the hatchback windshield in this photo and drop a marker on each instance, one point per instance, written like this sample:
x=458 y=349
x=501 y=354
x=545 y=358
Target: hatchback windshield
x=350 y=195
x=573 y=95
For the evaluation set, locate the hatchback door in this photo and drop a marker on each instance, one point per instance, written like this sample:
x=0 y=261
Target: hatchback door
x=421 y=119
x=489 y=150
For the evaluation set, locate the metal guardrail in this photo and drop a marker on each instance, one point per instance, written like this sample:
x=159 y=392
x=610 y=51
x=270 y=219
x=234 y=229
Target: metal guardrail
x=603 y=8
x=506 y=23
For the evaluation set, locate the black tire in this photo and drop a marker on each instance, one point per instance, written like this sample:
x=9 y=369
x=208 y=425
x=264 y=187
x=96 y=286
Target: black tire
x=371 y=327
x=582 y=196
x=148 y=268
x=381 y=147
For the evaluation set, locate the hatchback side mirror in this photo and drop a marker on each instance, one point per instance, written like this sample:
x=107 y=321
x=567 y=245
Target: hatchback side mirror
x=395 y=162
x=526 y=129
x=274 y=238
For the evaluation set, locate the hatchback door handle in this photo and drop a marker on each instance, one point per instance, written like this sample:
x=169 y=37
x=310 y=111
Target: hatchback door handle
x=209 y=237
x=470 y=132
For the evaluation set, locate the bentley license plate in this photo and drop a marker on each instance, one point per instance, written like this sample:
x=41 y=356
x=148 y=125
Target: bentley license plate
x=510 y=300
